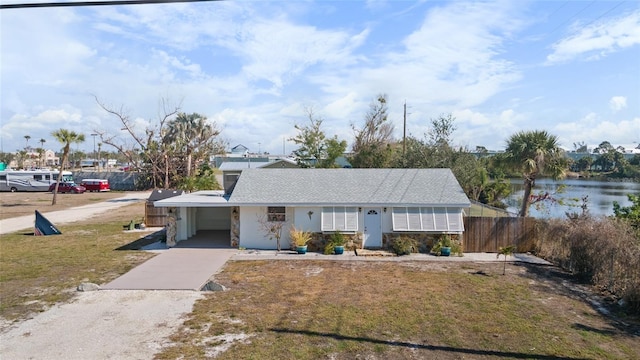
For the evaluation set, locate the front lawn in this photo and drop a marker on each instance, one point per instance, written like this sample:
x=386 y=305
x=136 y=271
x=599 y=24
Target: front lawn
x=396 y=310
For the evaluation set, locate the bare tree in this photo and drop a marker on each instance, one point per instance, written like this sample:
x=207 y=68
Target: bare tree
x=150 y=144
x=315 y=148
x=441 y=130
x=371 y=146
x=271 y=229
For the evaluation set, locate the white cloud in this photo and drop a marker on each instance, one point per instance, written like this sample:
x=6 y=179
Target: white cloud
x=443 y=62
x=277 y=50
x=618 y=103
x=598 y=40
x=593 y=129
x=470 y=117
x=39 y=125
x=254 y=66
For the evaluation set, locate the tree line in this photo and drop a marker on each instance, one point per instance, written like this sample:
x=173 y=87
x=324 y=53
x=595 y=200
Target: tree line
x=528 y=154
x=173 y=151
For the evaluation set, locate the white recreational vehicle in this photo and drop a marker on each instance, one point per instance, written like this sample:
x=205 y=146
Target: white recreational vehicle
x=31 y=180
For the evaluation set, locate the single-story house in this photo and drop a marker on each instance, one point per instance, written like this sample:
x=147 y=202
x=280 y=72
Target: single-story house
x=370 y=204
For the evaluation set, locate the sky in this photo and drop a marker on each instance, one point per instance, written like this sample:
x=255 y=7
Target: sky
x=254 y=69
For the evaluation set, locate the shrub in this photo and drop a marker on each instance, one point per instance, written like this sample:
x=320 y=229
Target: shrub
x=299 y=237
x=404 y=245
x=337 y=239
x=446 y=240
x=602 y=251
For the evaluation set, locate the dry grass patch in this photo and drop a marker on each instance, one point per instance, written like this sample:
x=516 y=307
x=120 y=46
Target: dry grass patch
x=38 y=271
x=390 y=310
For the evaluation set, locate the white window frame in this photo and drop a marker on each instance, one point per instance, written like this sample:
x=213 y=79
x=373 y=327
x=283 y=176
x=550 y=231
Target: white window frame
x=431 y=219
x=339 y=218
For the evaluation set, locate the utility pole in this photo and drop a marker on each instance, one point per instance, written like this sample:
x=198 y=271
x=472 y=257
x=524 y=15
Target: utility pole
x=404 y=133
x=94 y=150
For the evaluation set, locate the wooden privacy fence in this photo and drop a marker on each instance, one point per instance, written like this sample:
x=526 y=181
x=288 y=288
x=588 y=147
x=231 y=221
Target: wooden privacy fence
x=155 y=216
x=487 y=234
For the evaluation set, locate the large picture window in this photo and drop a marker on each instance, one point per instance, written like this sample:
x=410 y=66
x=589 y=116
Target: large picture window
x=339 y=218
x=276 y=213
x=427 y=219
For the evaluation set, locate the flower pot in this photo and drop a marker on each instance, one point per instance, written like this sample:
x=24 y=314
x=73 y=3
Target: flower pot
x=301 y=249
x=445 y=251
x=338 y=249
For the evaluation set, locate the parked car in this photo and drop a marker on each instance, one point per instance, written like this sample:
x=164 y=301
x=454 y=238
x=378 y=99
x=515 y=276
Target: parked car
x=68 y=187
x=95 y=184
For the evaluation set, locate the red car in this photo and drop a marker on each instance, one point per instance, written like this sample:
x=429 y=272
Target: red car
x=68 y=187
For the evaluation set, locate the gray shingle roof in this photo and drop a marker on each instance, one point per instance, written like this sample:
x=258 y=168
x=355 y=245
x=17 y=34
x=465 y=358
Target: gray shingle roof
x=383 y=187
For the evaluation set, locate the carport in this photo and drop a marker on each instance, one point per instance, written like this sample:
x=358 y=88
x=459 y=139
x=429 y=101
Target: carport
x=197 y=215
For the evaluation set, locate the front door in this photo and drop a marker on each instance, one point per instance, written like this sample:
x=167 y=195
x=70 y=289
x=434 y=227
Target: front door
x=372 y=228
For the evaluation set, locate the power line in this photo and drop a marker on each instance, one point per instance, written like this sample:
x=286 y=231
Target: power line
x=574 y=15
x=95 y=3
x=605 y=13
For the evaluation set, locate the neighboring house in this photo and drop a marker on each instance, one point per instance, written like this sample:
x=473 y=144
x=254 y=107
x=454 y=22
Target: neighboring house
x=374 y=204
x=239 y=150
x=231 y=170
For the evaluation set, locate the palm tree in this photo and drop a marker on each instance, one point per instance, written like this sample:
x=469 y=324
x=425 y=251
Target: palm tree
x=42 y=141
x=534 y=153
x=190 y=134
x=27 y=137
x=65 y=137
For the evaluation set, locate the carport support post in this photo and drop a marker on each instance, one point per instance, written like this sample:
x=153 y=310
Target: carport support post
x=182 y=224
x=171 y=227
x=193 y=224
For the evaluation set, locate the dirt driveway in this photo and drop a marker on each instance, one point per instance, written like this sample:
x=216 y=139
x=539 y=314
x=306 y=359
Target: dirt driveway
x=25 y=203
x=115 y=324
x=91 y=207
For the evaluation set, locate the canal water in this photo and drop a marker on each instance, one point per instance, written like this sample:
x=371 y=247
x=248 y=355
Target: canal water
x=600 y=196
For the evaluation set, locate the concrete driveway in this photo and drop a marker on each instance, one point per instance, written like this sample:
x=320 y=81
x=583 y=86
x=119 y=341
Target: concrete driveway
x=188 y=266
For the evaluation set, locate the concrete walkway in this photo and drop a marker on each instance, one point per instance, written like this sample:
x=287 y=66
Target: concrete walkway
x=247 y=255
x=190 y=265
x=72 y=214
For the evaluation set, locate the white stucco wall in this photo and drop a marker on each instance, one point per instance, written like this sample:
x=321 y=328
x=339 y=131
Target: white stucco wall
x=308 y=218
x=253 y=237
x=304 y=218
x=213 y=218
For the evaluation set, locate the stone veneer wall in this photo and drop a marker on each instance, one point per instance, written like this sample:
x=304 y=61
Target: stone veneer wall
x=425 y=240
x=235 y=226
x=353 y=241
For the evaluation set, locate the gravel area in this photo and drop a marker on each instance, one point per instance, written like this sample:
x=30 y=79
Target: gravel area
x=105 y=324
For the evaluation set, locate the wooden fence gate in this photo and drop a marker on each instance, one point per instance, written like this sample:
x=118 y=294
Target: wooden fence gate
x=487 y=234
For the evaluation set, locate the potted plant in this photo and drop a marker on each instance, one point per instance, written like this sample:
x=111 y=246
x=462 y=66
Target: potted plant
x=335 y=245
x=300 y=238
x=444 y=244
